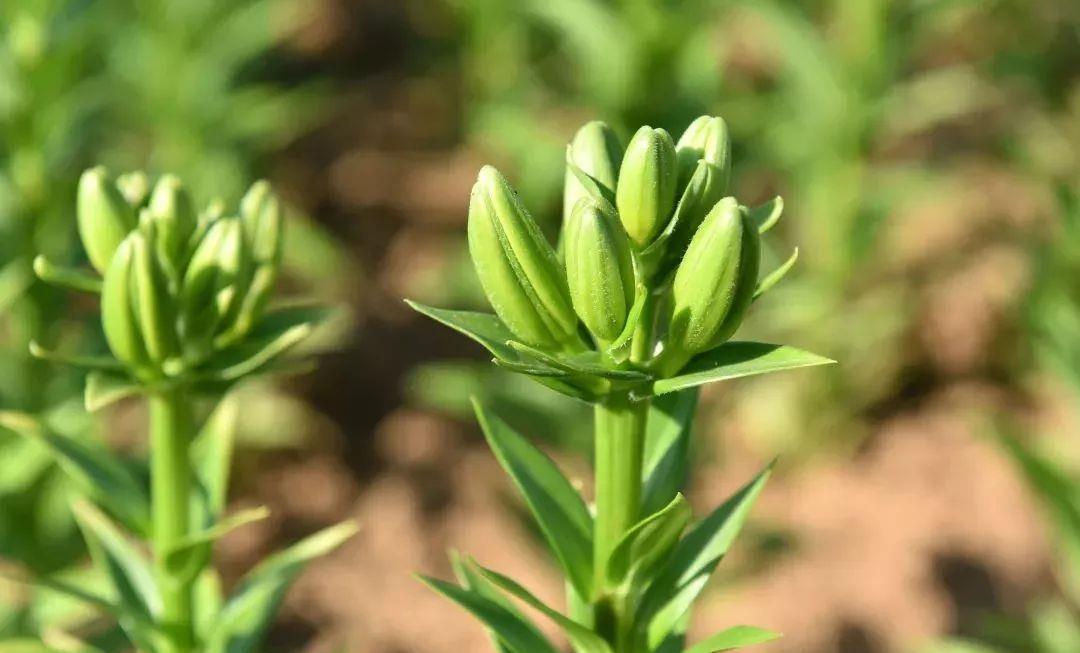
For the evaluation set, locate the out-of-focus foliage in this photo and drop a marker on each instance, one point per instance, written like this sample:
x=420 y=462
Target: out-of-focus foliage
x=149 y=83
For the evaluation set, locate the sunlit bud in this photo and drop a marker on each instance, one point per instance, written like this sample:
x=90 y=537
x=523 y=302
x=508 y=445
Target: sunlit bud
x=104 y=217
x=715 y=281
x=135 y=186
x=517 y=267
x=704 y=190
x=153 y=305
x=173 y=215
x=261 y=215
x=645 y=194
x=599 y=269
x=596 y=151
x=118 y=317
x=706 y=139
x=213 y=281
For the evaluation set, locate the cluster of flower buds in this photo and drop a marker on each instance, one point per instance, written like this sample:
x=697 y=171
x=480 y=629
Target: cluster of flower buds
x=178 y=285
x=651 y=242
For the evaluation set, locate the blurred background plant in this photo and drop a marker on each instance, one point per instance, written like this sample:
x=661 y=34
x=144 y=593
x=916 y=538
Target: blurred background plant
x=156 y=84
x=920 y=147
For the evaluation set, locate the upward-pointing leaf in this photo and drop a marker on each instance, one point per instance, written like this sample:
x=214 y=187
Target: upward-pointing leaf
x=211 y=459
x=468 y=576
x=516 y=633
x=583 y=639
x=557 y=506
x=667 y=448
x=693 y=560
x=733 y=638
x=243 y=620
x=129 y=571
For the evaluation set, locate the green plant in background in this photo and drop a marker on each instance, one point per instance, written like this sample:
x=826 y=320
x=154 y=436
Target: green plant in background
x=183 y=307
x=655 y=270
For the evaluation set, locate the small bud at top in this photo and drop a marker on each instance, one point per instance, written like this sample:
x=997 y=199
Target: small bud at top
x=706 y=139
x=104 y=217
x=645 y=194
x=596 y=151
x=599 y=269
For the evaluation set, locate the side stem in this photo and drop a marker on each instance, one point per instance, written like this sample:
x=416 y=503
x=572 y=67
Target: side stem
x=171 y=426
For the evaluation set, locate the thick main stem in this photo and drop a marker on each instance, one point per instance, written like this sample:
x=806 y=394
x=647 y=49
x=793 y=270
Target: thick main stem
x=171 y=426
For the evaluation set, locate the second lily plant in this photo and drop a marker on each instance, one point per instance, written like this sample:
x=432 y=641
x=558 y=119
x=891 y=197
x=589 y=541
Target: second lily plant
x=632 y=311
x=185 y=311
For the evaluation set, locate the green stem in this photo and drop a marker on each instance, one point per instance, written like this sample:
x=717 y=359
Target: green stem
x=171 y=430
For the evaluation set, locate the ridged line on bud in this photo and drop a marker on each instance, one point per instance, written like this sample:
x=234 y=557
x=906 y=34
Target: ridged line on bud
x=518 y=269
x=118 y=319
x=706 y=139
x=152 y=304
x=599 y=269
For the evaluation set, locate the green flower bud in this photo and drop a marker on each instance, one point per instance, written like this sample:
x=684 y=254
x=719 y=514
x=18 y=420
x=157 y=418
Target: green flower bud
x=518 y=269
x=118 y=318
x=213 y=283
x=715 y=281
x=597 y=152
x=599 y=269
x=135 y=187
x=706 y=139
x=153 y=305
x=647 y=183
x=704 y=190
x=173 y=215
x=104 y=217
x=261 y=216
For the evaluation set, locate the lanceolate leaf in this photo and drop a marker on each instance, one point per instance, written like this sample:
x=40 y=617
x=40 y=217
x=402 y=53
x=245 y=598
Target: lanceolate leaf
x=583 y=639
x=517 y=634
x=71 y=278
x=733 y=638
x=211 y=459
x=667 y=447
x=554 y=502
x=190 y=555
x=768 y=214
x=648 y=541
x=92 y=363
x=129 y=571
x=774 y=277
x=243 y=620
x=93 y=468
x=484 y=328
x=469 y=577
x=693 y=560
x=733 y=360
x=104 y=388
x=587 y=363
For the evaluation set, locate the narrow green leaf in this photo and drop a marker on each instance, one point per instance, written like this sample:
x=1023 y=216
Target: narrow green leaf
x=667 y=447
x=70 y=278
x=209 y=599
x=693 y=560
x=733 y=360
x=104 y=388
x=191 y=554
x=484 y=328
x=586 y=363
x=648 y=542
x=556 y=505
x=211 y=460
x=242 y=622
x=768 y=214
x=129 y=572
x=514 y=631
x=776 y=275
x=468 y=576
x=90 y=363
x=733 y=638
x=92 y=467
x=253 y=354
x=583 y=639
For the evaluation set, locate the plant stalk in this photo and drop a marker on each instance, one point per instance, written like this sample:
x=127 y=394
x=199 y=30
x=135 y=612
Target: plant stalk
x=171 y=430
x=619 y=424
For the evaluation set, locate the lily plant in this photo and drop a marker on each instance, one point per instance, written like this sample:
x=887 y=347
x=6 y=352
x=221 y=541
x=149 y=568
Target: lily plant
x=632 y=311
x=183 y=298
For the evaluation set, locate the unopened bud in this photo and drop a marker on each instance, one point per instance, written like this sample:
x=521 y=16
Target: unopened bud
x=596 y=151
x=517 y=267
x=706 y=139
x=104 y=217
x=261 y=216
x=715 y=281
x=154 y=309
x=118 y=318
x=599 y=269
x=173 y=215
x=647 y=183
